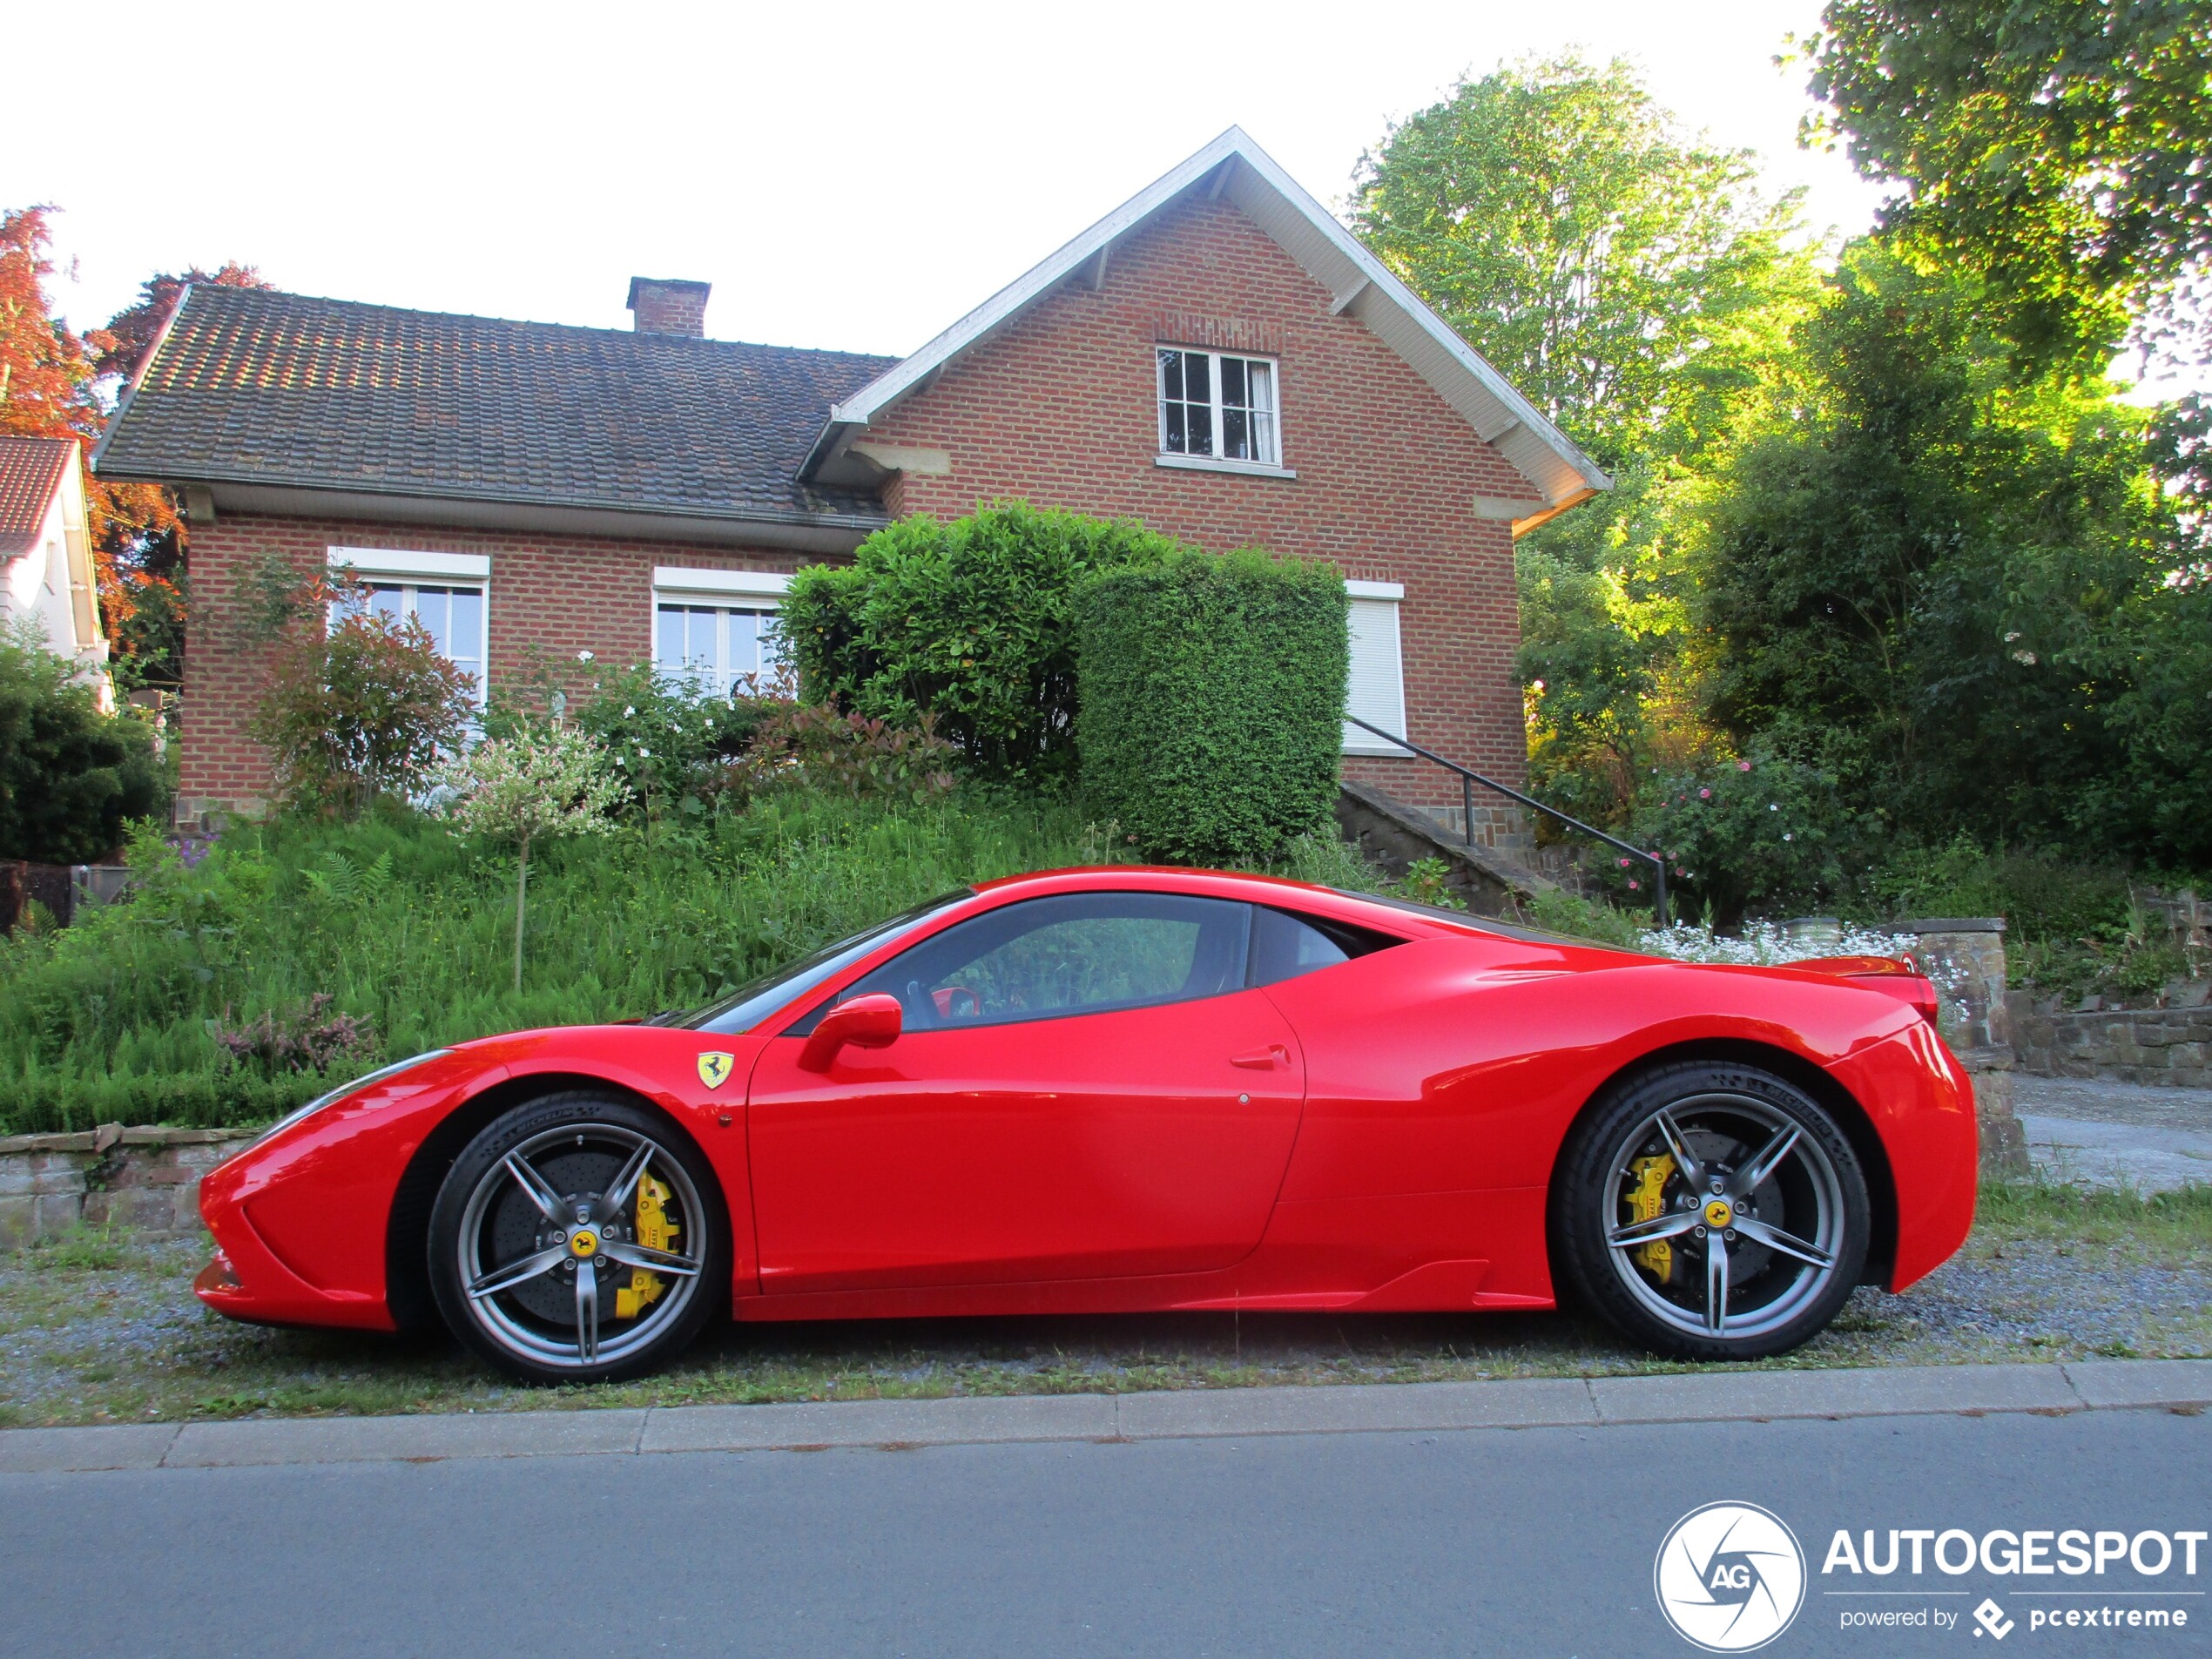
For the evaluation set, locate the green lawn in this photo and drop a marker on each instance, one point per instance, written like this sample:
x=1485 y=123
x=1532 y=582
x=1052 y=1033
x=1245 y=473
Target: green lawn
x=98 y=1330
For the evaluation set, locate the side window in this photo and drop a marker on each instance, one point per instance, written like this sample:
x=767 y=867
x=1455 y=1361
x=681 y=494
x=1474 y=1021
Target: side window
x=1083 y=952
x=1284 y=946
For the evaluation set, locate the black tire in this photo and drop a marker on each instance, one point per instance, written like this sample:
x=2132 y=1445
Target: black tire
x=494 y=1218
x=1622 y=1168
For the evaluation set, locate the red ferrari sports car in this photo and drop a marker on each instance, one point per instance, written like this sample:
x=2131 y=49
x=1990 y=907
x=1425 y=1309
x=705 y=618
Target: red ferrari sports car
x=1121 y=1089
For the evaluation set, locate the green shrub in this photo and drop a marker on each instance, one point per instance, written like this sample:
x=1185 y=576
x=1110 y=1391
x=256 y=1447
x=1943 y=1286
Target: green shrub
x=1562 y=912
x=70 y=776
x=363 y=709
x=971 y=622
x=1765 y=833
x=1213 y=693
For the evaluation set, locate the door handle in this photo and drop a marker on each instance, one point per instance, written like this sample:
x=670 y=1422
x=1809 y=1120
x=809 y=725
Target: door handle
x=1263 y=1059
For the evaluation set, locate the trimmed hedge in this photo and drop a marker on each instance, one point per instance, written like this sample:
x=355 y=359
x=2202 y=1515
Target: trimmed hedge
x=970 y=621
x=1212 y=702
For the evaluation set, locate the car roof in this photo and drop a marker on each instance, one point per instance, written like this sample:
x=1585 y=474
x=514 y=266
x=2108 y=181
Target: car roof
x=1402 y=916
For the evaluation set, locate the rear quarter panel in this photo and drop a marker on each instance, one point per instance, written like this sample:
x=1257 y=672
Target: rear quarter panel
x=1453 y=1064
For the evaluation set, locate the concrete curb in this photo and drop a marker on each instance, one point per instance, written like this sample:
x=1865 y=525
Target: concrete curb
x=1602 y=1402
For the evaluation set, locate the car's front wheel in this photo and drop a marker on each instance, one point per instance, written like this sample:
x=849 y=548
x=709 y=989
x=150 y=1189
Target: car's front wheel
x=578 y=1239
x=1711 y=1212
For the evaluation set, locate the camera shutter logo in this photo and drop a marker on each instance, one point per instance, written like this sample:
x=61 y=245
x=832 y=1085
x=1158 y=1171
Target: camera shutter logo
x=1730 y=1577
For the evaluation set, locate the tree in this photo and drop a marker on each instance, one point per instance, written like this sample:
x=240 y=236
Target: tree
x=2055 y=147
x=70 y=776
x=367 y=709
x=1911 y=571
x=1617 y=271
x=45 y=370
x=1637 y=284
x=545 y=780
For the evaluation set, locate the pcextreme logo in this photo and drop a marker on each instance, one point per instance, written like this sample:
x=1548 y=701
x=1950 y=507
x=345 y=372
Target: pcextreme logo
x=1730 y=1577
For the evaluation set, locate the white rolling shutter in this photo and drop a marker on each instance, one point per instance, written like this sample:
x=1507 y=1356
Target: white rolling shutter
x=1377 y=689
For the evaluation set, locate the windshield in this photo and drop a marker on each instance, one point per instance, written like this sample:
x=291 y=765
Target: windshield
x=748 y=1005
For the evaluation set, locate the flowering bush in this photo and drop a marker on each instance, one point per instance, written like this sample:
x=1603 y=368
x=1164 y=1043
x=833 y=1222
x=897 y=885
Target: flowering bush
x=1763 y=830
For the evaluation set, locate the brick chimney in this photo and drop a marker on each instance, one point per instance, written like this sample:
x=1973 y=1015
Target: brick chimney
x=669 y=305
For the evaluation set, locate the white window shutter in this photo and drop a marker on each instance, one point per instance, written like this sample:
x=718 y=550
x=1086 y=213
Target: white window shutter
x=1377 y=689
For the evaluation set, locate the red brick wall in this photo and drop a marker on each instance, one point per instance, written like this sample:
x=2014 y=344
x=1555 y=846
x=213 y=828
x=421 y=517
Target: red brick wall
x=557 y=595
x=1061 y=409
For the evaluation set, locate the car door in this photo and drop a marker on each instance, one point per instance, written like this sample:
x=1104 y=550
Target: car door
x=1084 y=1087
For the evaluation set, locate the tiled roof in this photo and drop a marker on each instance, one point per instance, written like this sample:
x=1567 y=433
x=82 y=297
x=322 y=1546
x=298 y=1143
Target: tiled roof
x=31 y=468
x=256 y=386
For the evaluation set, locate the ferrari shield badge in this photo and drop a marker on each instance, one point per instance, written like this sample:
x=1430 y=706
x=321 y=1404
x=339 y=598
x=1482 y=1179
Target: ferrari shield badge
x=714 y=1069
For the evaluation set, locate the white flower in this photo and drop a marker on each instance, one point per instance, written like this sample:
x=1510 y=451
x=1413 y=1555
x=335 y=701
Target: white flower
x=1774 y=807
x=628 y=709
x=584 y=657
x=1787 y=836
x=644 y=752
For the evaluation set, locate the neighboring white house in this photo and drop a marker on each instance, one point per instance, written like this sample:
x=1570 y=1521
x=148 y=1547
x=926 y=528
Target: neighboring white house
x=46 y=554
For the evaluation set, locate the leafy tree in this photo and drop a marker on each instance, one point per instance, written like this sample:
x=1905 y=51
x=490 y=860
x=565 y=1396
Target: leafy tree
x=1617 y=271
x=70 y=777
x=2055 y=148
x=1636 y=282
x=367 y=709
x=540 y=782
x=1912 y=571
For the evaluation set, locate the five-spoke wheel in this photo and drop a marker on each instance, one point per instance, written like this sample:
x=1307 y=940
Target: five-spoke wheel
x=577 y=1238
x=1711 y=1212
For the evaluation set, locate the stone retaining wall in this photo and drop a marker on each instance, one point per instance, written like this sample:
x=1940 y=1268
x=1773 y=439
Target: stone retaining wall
x=145 y=1179
x=2168 y=1046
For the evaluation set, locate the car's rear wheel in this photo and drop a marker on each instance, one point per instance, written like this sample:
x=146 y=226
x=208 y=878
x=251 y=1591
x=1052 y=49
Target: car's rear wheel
x=1711 y=1212
x=578 y=1239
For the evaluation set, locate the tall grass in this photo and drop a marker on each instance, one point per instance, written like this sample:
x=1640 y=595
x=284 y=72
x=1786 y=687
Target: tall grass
x=404 y=924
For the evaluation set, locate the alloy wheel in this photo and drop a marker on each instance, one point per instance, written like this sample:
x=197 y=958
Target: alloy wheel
x=1724 y=1217
x=580 y=1246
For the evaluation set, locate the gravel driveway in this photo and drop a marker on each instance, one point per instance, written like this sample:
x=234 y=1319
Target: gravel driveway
x=92 y=1330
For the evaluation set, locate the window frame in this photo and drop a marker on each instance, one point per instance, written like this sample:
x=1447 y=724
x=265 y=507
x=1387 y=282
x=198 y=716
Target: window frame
x=1355 y=741
x=411 y=570
x=754 y=592
x=1185 y=461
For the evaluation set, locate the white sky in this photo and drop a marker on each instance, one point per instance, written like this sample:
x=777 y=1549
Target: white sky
x=852 y=176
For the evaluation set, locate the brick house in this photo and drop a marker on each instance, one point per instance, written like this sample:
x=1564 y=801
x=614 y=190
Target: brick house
x=1218 y=357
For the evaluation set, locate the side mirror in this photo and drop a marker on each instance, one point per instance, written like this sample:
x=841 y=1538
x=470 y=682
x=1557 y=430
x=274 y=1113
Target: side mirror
x=870 y=1021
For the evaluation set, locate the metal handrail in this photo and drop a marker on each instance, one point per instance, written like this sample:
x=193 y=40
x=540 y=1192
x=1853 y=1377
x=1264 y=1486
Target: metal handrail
x=1469 y=778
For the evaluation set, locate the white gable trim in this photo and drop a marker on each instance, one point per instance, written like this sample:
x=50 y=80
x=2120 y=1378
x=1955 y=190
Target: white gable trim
x=1249 y=177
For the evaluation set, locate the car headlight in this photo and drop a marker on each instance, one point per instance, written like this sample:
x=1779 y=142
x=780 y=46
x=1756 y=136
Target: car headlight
x=343 y=1090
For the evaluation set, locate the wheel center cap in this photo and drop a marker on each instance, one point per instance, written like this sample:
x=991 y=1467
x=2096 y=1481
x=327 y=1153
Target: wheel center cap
x=583 y=1244
x=1719 y=1213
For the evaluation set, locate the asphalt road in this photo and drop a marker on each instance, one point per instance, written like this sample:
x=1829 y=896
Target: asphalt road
x=1532 y=1542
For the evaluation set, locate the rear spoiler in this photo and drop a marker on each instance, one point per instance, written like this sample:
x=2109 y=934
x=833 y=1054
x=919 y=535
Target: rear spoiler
x=1900 y=976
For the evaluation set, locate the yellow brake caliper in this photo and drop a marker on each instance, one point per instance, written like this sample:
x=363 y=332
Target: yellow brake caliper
x=1645 y=1203
x=655 y=1229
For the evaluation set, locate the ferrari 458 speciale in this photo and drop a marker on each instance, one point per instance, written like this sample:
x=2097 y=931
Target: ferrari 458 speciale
x=1130 y=1089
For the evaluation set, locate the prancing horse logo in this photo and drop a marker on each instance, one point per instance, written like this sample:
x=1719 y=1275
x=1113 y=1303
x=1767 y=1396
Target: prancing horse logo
x=714 y=1069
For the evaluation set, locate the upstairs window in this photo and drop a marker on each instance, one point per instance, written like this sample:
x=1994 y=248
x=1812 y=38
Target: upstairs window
x=1217 y=406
